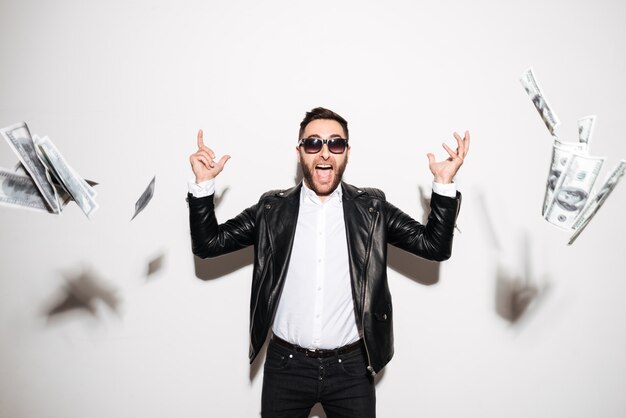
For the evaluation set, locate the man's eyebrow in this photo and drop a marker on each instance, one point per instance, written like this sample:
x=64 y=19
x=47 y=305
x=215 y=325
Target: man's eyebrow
x=319 y=136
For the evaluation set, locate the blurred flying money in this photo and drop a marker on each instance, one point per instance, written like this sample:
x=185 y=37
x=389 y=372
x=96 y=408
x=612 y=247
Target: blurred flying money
x=573 y=190
x=155 y=264
x=145 y=198
x=20 y=190
x=570 y=200
x=20 y=141
x=539 y=100
x=43 y=180
x=85 y=292
x=562 y=153
x=598 y=200
x=72 y=183
x=585 y=129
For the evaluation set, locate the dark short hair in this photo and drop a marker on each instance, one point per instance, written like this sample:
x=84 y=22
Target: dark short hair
x=321 y=113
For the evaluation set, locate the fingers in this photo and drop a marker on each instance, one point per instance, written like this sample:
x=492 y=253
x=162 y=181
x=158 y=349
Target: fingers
x=463 y=144
x=201 y=159
x=203 y=147
x=449 y=150
x=461 y=150
x=222 y=162
x=200 y=139
x=431 y=158
x=205 y=157
x=199 y=165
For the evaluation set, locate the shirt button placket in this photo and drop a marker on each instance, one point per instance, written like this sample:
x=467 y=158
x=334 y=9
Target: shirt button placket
x=319 y=297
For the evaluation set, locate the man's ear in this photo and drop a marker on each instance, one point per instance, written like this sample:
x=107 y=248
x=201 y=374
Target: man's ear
x=298 y=153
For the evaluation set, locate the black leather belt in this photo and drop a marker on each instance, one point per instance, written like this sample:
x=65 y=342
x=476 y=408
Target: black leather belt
x=319 y=352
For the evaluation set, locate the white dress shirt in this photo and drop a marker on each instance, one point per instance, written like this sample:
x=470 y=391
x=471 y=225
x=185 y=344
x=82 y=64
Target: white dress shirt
x=316 y=309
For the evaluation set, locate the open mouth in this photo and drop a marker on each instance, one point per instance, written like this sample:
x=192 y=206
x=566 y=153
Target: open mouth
x=324 y=172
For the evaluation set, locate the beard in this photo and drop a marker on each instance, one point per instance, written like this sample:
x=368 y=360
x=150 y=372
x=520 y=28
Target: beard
x=323 y=190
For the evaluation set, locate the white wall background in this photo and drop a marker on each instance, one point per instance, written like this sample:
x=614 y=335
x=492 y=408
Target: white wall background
x=121 y=87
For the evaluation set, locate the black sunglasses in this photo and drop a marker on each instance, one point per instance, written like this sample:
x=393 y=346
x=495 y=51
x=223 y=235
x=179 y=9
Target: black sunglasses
x=314 y=145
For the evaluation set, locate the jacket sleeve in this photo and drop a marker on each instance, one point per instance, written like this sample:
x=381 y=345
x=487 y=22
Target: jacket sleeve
x=432 y=241
x=210 y=239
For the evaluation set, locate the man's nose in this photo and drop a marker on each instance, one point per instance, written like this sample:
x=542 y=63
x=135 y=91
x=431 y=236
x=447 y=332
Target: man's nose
x=325 y=152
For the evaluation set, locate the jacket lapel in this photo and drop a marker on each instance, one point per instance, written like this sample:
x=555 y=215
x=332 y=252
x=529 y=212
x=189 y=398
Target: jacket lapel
x=281 y=216
x=358 y=218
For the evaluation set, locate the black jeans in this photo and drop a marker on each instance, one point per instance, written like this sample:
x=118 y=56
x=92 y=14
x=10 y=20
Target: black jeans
x=293 y=383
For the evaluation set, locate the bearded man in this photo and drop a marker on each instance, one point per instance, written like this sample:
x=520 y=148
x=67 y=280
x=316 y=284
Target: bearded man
x=319 y=281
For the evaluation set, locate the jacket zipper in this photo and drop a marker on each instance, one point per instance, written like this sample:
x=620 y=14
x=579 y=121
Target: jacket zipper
x=256 y=301
x=370 y=369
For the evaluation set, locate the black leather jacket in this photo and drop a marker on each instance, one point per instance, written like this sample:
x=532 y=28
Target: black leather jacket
x=371 y=223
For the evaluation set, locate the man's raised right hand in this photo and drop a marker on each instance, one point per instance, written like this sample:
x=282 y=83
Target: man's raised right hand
x=202 y=162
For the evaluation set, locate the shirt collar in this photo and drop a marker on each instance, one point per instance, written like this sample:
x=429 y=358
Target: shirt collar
x=308 y=196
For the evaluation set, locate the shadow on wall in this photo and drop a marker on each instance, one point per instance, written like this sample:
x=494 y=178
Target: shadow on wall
x=83 y=293
x=418 y=269
x=518 y=293
x=518 y=296
x=317 y=412
x=155 y=265
x=214 y=268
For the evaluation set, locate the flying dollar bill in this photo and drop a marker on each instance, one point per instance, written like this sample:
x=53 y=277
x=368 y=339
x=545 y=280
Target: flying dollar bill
x=20 y=191
x=19 y=139
x=585 y=129
x=573 y=190
x=145 y=198
x=64 y=195
x=71 y=182
x=562 y=153
x=19 y=169
x=596 y=202
x=539 y=100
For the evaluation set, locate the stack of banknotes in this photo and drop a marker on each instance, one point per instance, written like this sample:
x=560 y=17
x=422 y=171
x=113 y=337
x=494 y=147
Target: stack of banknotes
x=43 y=180
x=572 y=197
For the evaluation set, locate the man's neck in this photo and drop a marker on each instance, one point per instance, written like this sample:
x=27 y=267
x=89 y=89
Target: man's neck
x=322 y=198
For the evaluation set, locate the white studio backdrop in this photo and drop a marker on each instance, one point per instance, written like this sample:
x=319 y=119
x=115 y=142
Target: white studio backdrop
x=122 y=87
